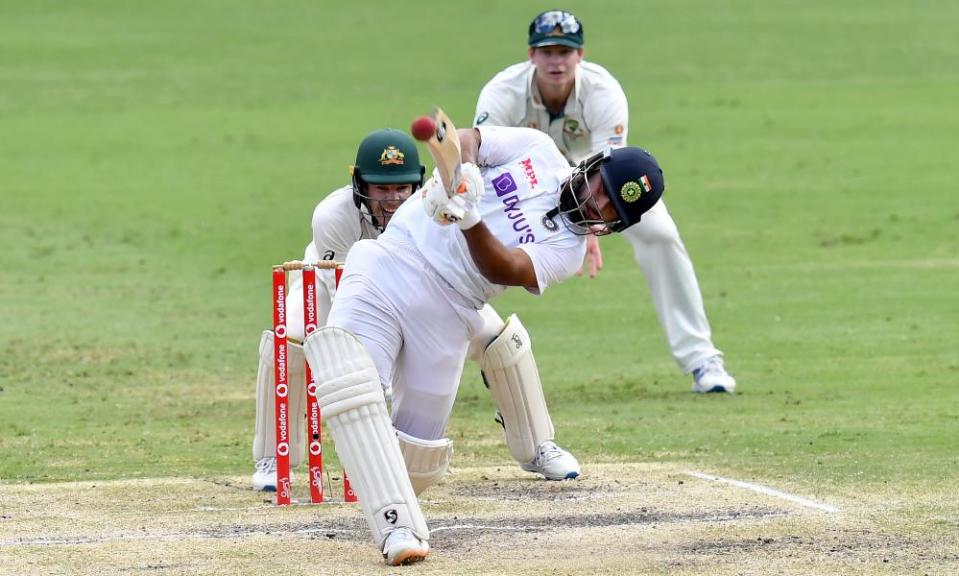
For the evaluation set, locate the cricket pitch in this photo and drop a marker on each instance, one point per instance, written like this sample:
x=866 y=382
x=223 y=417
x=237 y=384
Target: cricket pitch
x=617 y=519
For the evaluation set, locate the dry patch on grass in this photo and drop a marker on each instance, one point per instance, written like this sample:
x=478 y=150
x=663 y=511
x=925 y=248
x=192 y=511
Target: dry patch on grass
x=620 y=519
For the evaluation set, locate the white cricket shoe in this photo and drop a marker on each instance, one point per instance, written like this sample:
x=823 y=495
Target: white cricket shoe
x=553 y=462
x=264 y=477
x=711 y=376
x=403 y=547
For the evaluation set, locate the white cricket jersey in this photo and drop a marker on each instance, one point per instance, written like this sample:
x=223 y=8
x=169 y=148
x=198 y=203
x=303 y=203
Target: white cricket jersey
x=522 y=172
x=338 y=224
x=596 y=114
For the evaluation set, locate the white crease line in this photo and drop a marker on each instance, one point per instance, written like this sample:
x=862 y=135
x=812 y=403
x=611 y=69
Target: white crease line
x=767 y=491
x=481 y=527
x=270 y=506
x=171 y=537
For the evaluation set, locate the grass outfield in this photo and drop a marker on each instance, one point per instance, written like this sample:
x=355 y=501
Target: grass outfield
x=156 y=158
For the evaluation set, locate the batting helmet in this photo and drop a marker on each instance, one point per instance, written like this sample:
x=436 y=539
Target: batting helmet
x=632 y=179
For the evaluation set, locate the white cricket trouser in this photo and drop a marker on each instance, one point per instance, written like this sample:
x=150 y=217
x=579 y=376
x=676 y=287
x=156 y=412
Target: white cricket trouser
x=664 y=261
x=413 y=324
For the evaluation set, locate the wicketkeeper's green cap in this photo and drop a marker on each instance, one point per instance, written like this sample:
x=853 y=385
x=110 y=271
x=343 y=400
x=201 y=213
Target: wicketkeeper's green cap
x=388 y=156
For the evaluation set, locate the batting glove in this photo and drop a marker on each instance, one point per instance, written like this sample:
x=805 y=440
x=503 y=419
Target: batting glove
x=460 y=207
x=468 y=194
x=436 y=200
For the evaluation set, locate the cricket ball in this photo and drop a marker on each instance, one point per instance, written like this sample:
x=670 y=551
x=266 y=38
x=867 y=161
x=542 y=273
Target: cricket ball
x=423 y=128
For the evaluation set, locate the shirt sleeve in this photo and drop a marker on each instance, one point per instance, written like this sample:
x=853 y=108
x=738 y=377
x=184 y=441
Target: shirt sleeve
x=495 y=106
x=607 y=115
x=555 y=260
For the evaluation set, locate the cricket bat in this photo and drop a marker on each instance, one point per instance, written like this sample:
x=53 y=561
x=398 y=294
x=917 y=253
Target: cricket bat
x=444 y=147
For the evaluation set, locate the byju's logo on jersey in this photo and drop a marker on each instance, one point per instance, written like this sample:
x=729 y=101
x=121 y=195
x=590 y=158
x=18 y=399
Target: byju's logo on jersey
x=504 y=184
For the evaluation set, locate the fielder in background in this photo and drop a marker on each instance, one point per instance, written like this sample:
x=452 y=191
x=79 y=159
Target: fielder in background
x=409 y=303
x=386 y=173
x=584 y=110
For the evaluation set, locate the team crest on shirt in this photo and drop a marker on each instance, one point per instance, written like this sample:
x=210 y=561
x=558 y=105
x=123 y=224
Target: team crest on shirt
x=549 y=223
x=391 y=155
x=571 y=126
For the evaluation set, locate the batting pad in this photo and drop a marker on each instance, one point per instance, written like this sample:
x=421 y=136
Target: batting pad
x=513 y=380
x=426 y=460
x=352 y=402
x=264 y=437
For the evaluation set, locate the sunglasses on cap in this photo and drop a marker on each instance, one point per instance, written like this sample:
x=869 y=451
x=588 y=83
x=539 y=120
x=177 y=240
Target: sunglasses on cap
x=548 y=21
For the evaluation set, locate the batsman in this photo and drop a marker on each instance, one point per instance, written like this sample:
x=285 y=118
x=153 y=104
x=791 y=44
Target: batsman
x=386 y=173
x=411 y=302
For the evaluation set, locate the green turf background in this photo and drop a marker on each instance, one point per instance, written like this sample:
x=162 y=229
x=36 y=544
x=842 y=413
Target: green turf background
x=156 y=158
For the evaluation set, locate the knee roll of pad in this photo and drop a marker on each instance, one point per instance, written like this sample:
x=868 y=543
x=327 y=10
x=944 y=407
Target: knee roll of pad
x=426 y=460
